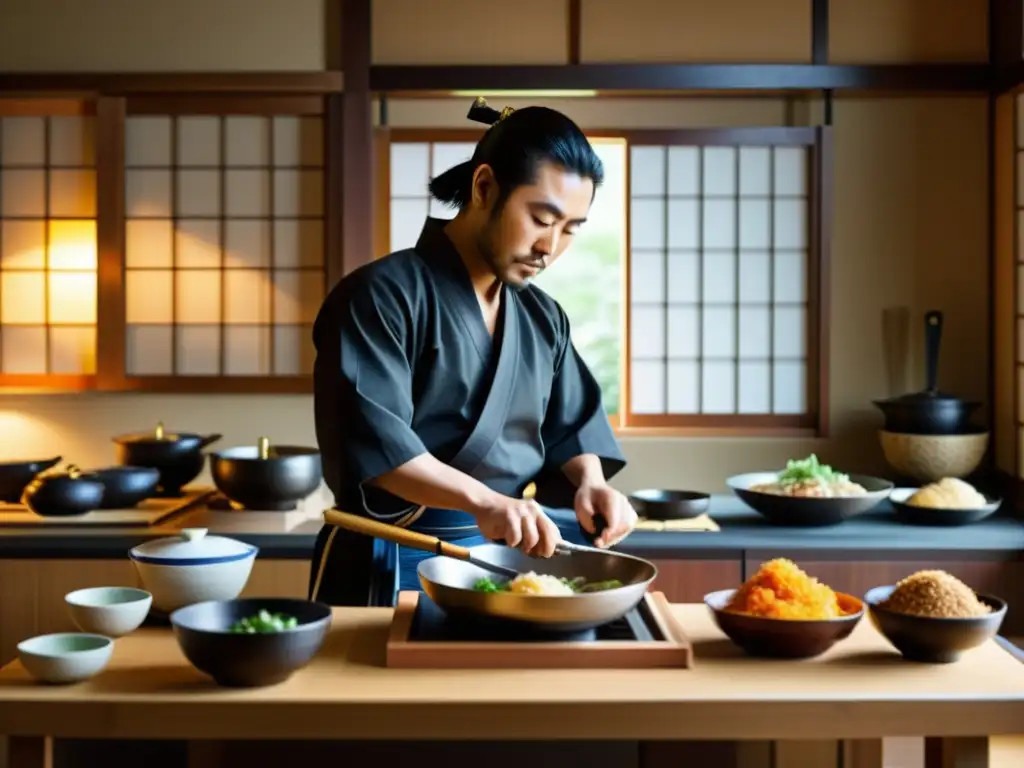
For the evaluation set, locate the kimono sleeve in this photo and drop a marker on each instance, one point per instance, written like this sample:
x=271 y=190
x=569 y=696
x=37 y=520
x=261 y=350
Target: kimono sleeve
x=363 y=393
x=575 y=422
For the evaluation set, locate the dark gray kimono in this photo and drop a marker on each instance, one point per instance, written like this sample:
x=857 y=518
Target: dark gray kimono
x=405 y=365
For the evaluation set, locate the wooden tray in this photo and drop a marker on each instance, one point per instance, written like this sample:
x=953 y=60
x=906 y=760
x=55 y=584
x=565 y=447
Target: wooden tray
x=674 y=651
x=148 y=513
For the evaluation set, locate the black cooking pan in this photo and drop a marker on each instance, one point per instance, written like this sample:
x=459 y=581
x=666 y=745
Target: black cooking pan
x=929 y=412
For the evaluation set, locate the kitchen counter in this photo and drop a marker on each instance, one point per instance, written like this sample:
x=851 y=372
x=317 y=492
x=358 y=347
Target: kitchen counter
x=290 y=535
x=860 y=689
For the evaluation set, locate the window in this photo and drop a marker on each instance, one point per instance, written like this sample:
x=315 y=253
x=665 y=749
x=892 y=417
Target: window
x=718 y=283
x=224 y=251
x=47 y=246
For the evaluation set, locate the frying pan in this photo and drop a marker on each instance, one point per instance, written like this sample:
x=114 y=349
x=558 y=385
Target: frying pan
x=448 y=579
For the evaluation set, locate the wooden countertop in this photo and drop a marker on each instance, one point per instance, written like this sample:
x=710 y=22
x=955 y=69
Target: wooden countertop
x=860 y=689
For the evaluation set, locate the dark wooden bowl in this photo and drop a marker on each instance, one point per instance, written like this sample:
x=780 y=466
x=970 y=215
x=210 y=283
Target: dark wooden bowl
x=655 y=504
x=784 y=638
x=933 y=640
x=247 y=661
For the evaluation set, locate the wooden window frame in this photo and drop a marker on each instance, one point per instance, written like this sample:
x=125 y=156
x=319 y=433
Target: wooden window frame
x=818 y=141
x=111 y=114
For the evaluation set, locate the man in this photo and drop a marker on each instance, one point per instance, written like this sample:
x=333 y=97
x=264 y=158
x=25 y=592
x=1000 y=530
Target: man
x=445 y=384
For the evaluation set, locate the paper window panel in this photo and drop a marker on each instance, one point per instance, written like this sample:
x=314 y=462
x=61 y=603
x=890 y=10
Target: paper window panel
x=48 y=246
x=224 y=244
x=719 y=248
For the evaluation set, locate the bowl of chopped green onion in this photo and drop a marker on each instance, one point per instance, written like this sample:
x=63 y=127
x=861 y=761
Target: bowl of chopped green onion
x=251 y=642
x=809 y=493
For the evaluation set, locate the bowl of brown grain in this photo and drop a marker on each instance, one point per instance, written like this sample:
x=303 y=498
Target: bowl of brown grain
x=933 y=617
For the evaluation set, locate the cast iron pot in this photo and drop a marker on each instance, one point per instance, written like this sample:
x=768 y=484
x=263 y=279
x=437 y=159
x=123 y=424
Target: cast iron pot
x=63 y=494
x=179 y=456
x=124 y=486
x=15 y=475
x=930 y=412
x=266 y=477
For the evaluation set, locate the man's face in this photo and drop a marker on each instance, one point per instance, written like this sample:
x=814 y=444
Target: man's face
x=535 y=225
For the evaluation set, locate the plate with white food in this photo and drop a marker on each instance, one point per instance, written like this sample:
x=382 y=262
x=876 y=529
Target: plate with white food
x=946 y=502
x=808 y=493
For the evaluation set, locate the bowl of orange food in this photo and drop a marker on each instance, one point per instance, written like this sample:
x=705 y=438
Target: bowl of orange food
x=782 y=612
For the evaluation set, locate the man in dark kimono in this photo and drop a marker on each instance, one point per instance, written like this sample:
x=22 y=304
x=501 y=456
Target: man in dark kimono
x=446 y=384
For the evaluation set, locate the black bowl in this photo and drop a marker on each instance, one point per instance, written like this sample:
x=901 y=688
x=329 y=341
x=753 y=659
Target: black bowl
x=784 y=638
x=911 y=515
x=124 y=486
x=670 y=505
x=16 y=475
x=807 y=511
x=288 y=474
x=933 y=640
x=248 y=661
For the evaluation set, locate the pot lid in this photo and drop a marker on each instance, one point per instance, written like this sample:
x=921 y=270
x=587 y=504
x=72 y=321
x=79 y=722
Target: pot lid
x=192 y=547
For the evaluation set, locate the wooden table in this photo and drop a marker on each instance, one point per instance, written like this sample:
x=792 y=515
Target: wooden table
x=860 y=690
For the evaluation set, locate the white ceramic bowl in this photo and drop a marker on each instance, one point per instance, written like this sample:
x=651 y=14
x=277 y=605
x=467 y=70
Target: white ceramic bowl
x=65 y=657
x=193 y=568
x=110 y=611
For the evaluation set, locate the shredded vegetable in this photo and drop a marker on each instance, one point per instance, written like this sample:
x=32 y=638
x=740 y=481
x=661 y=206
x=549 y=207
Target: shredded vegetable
x=810 y=470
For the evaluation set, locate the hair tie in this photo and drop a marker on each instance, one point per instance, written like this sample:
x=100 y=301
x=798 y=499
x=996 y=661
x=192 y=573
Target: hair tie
x=481 y=113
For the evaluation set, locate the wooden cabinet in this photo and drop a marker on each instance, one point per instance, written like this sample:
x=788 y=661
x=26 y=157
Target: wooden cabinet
x=687 y=581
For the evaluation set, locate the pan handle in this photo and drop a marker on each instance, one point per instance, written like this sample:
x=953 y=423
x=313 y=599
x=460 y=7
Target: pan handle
x=393 y=533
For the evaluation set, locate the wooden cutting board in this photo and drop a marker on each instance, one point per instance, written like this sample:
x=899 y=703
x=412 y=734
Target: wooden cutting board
x=148 y=513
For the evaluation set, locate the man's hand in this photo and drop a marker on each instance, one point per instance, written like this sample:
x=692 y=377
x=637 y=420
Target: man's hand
x=601 y=500
x=520 y=523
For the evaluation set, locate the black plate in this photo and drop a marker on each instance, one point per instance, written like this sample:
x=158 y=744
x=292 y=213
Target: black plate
x=655 y=504
x=912 y=515
x=808 y=512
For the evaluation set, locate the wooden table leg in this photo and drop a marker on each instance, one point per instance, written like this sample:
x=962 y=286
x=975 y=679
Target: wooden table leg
x=30 y=752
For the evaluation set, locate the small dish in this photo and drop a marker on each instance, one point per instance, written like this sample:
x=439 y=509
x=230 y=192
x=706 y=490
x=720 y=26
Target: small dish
x=110 y=611
x=65 y=657
x=908 y=513
x=655 y=504
x=930 y=639
x=784 y=638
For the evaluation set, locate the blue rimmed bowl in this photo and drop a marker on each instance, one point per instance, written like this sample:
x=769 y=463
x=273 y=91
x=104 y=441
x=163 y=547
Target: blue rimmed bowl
x=193 y=568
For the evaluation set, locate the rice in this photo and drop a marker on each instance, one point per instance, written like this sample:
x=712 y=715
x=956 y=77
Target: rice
x=538 y=584
x=781 y=590
x=935 y=594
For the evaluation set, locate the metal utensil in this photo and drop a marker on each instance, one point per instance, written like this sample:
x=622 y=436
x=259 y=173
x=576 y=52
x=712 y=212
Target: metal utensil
x=413 y=539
